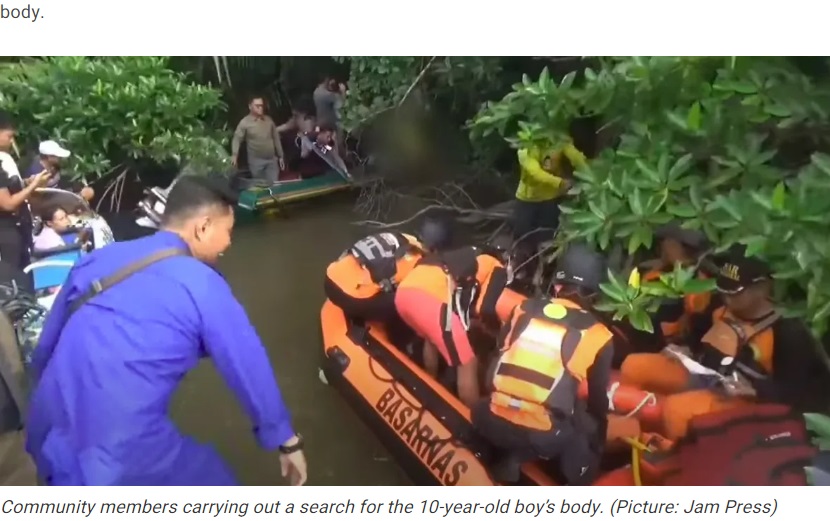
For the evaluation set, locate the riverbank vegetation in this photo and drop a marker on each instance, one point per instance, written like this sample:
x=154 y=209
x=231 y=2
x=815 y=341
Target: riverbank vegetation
x=735 y=147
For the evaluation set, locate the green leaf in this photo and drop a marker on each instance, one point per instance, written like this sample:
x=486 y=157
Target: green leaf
x=693 y=118
x=682 y=210
x=568 y=80
x=778 y=111
x=744 y=87
x=818 y=424
x=641 y=321
x=652 y=174
x=779 y=196
x=544 y=80
x=618 y=294
x=681 y=166
x=696 y=286
x=636 y=202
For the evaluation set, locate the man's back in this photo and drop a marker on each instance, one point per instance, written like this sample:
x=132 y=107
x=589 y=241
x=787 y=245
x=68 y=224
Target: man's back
x=105 y=385
x=325 y=101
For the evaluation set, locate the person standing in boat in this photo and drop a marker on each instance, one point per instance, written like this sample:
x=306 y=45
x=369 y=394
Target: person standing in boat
x=545 y=176
x=329 y=97
x=262 y=140
x=127 y=326
x=15 y=216
x=548 y=348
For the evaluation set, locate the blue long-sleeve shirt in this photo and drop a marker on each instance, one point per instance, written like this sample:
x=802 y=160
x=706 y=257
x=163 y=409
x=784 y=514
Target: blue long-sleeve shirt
x=99 y=411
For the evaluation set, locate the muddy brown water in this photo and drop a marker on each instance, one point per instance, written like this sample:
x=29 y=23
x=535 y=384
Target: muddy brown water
x=276 y=270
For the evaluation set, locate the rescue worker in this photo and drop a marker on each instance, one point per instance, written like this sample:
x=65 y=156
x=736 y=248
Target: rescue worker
x=127 y=326
x=677 y=245
x=439 y=299
x=545 y=177
x=547 y=348
x=362 y=282
x=760 y=355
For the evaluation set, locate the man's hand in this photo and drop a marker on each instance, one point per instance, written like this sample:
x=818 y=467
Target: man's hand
x=41 y=179
x=293 y=466
x=738 y=385
x=87 y=193
x=342 y=88
x=234 y=161
x=281 y=162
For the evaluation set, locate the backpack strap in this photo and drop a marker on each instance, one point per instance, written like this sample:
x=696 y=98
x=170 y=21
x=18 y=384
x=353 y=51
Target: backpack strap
x=98 y=286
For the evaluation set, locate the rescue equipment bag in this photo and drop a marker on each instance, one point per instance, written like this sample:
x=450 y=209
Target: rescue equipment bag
x=752 y=445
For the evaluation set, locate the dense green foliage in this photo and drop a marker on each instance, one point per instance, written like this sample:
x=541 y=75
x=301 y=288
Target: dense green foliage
x=733 y=147
x=113 y=112
x=819 y=426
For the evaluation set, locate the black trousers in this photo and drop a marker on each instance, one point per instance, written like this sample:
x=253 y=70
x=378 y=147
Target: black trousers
x=14 y=249
x=569 y=443
x=533 y=223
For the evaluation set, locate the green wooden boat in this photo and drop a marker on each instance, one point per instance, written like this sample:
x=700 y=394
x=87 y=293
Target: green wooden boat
x=264 y=200
x=256 y=200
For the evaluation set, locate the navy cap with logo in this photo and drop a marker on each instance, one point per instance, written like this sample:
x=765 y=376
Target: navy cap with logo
x=735 y=271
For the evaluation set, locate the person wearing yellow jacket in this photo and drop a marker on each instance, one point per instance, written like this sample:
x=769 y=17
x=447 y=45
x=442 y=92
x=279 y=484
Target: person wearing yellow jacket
x=545 y=178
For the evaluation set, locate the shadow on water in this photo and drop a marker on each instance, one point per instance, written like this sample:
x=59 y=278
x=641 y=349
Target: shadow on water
x=276 y=270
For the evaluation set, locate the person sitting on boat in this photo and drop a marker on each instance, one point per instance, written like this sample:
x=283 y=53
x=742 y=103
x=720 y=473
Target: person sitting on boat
x=362 y=282
x=439 y=299
x=548 y=347
x=740 y=353
x=301 y=123
x=50 y=159
x=55 y=223
x=683 y=246
x=315 y=147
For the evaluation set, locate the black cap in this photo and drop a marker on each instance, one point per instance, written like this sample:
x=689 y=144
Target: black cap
x=582 y=266
x=735 y=271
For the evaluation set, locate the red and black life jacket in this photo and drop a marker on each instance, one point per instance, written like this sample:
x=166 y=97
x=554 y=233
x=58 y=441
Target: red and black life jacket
x=756 y=445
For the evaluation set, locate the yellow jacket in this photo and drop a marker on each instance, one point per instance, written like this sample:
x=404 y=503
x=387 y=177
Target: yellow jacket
x=537 y=184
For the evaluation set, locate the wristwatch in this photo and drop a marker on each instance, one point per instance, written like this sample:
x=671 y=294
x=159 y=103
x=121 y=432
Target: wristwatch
x=294 y=447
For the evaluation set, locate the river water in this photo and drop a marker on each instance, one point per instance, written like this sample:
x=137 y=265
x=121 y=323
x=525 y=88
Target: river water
x=276 y=269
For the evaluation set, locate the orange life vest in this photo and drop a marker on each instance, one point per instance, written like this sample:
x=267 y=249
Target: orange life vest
x=547 y=349
x=674 y=319
x=375 y=264
x=749 y=344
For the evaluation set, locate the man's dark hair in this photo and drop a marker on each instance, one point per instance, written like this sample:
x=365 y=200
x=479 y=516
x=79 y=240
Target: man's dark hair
x=326 y=127
x=6 y=122
x=253 y=97
x=49 y=211
x=192 y=194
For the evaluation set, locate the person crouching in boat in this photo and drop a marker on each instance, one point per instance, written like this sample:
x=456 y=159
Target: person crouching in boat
x=363 y=281
x=439 y=299
x=745 y=352
x=547 y=348
x=677 y=245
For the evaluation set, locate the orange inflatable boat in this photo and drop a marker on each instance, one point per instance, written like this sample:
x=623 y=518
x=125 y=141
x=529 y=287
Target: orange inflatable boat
x=424 y=426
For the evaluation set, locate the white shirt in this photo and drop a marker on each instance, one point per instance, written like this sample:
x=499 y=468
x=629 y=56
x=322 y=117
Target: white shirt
x=7 y=163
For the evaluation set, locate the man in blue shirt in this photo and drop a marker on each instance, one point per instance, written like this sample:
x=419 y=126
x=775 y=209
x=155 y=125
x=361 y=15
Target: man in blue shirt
x=130 y=322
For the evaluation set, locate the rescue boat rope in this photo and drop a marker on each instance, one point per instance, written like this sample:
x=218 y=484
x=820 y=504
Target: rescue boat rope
x=420 y=409
x=649 y=399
